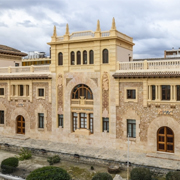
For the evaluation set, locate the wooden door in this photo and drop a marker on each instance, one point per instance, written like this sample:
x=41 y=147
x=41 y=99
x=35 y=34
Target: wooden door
x=20 y=125
x=165 y=140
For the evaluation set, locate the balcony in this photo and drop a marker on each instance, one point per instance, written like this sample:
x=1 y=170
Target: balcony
x=81 y=102
x=163 y=68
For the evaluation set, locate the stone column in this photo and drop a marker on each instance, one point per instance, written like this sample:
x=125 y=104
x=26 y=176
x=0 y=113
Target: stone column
x=87 y=121
x=78 y=120
x=17 y=90
x=24 y=90
x=175 y=94
x=171 y=93
x=156 y=91
x=149 y=93
x=159 y=93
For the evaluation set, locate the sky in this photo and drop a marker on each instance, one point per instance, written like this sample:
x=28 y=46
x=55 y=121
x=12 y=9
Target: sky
x=154 y=25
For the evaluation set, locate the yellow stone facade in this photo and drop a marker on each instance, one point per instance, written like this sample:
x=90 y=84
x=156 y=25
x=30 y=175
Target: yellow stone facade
x=79 y=96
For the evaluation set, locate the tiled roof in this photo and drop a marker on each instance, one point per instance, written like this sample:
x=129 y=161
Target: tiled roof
x=11 y=51
x=157 y=74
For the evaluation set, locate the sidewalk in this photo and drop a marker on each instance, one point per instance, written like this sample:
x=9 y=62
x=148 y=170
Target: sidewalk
x=154 y=160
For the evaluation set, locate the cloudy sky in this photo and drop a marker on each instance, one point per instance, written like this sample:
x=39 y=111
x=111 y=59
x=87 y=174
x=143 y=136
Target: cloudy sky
x=27 y=25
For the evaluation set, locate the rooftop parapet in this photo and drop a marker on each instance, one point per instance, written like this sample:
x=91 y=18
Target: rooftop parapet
x=25 y=70
x=90 y=34
x=166 y=68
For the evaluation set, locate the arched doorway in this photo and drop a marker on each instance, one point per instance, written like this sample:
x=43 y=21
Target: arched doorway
x=82 y=108
x=165 y=139
x=20 y=124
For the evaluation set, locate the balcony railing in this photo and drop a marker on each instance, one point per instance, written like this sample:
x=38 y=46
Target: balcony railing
x=81 y=102
x=162 y=65
x=25 y=69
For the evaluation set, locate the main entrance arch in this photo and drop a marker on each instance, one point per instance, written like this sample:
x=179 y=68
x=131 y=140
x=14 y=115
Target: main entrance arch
x=82 y=109
x=20 y=121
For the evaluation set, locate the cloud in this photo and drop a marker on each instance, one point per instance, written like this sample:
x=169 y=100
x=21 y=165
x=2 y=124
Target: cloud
x=28 y=24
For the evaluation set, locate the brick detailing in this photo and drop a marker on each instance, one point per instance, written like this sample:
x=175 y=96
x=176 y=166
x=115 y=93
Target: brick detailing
x=105 y=95
x=60 y=94
x=146 y=114
x=28 y=110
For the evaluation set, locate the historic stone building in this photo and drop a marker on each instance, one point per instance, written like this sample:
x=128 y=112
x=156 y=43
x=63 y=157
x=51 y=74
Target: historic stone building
x=10 y=56
x=91 y=95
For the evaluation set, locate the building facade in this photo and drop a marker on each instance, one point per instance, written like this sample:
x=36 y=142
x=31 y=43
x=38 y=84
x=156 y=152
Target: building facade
x=91 y=95
x=10 y=56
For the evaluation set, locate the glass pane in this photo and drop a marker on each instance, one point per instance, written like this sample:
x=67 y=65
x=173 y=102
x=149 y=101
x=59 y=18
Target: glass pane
x=161 y=138
x=161 y=146
x=170 y=139
x=129 y=130
x=170 y=147
x=131 y=121
x=161 y=131
x=169 y=131
x=134 y=130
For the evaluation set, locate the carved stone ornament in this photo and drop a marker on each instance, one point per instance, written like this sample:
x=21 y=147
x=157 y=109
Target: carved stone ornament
x=60 y=94
x=105 y=95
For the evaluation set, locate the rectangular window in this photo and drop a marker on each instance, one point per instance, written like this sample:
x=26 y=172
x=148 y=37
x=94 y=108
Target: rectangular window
x=91 y=122
x=165 y=92
x=21 y=90
x=41 y=92
x=131 y=94
x=131 y=128
x=1 y=91
x=16 y=64
x=60 y=120
x=83 y=118
x=178 y=92
x=1 y=117
x=153 y=92
x=41 y=120
x=74 y=121
x=106 y=124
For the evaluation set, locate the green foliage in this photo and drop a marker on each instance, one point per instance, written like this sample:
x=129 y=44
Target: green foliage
x=9 y=165
x=102 y=176
x=49 y=173
x=173 y=175
x=141 y=174
x=24 y=154
x=54 y=159
x=92 y=168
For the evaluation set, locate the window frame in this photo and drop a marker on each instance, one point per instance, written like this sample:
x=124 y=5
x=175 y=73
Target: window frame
x=132 y=126
x=60 y=120
x=2 y=95
x=40 y=118
x=105 y=56
x=166 y=93
x=91 y=57
x=105 y=121
x=85 y=60
x=60 y=59
x=78 y=54
x=126 y=95
x=72 y=58
x=2 y=119
x=74 y=121
x=37 y=93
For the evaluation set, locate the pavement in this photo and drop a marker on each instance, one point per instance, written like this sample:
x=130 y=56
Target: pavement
x=156 y=160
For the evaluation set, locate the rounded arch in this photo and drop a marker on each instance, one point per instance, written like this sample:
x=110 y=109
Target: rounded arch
x=20 y=124
x=91 y=57
x=105 y=56
x=156 y=124
x=165 y=139
x=72 y=58
x=84 y=57
x=15 y=114
x=78 y=57
x=81 y=90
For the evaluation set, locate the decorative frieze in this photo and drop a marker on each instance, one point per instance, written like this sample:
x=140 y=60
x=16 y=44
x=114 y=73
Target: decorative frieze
x=60 y=94
x=105 y=95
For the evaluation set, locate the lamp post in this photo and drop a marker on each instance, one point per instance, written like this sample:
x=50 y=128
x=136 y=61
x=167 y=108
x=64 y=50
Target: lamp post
x=128 y=159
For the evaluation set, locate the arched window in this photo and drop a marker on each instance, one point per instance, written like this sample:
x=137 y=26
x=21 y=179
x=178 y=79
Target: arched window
x=84 y=57
x=82 y=90
x=72 y=58
x=165 y=140
x=78 y=57
x=60 y=58
x=105 y=56
x=91 y=57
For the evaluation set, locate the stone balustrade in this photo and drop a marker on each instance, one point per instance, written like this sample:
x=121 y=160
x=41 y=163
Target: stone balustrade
x=163 y=65
x=24 y=69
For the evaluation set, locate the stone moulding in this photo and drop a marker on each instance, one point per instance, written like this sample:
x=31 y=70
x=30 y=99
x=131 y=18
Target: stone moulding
x=60 y=94
x=95 y=80
x=68 y=80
